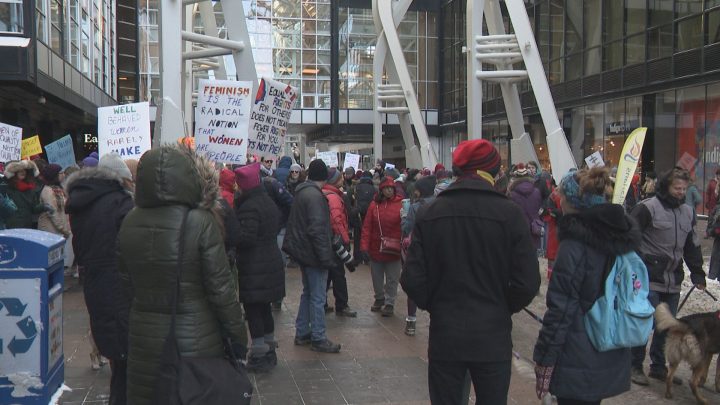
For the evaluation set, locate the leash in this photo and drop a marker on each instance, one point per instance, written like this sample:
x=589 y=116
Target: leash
x=686 y=298
x=708 y=293
x=534 y=315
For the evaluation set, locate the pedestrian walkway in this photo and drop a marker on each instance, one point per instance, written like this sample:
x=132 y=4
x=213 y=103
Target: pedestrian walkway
x=378 y=364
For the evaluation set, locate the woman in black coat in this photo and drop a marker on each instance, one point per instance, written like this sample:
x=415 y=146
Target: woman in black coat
x=592 y=232
x=261 y=275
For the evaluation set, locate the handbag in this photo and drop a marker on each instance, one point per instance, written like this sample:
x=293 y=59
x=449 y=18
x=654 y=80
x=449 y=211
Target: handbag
x=198 y=380
x=388 y=246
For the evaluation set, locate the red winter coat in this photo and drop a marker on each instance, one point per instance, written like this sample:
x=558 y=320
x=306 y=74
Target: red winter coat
x=389 y=213
x=553 y=213
x=710 y=197
x=338 y=216
x=227 y=186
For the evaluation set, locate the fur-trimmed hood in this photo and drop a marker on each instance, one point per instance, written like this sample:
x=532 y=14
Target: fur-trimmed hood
x=605 y=227
x=175 y=174
x=12 y=168
x=85 y=186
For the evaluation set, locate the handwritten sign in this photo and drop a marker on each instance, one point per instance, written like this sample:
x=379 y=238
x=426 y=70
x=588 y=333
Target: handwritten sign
x=269 y=118
x=221 y=120
x=61 y=152
x=10 y=138
x=687 y=162
x=124 y=129
x=30 y=147
x=595 y=160
x=389 y=166
x=330 y=158
x=352 y=160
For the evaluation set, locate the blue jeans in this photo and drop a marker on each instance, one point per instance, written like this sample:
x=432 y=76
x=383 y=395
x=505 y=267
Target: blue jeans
x=657 y=351
x=311 y=313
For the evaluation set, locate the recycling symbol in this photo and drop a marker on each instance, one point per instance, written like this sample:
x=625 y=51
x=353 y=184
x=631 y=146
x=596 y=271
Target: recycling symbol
x=26 y=325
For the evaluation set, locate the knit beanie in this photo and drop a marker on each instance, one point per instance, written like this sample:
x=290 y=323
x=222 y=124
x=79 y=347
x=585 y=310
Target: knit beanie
x=333 y=175
x=570 y=188
x=248 y=177
x=520 y=171
x=478 y=154
x=387 y=182
x=426 y=186
x=438 y=166
x=114 y=162
x=295 y=168
x=90 y=162
x=349 y=170
x=50 y=173
x=392 y=173
x=317 y=171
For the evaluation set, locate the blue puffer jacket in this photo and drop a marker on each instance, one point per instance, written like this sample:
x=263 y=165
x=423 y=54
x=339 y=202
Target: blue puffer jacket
x=283 y=169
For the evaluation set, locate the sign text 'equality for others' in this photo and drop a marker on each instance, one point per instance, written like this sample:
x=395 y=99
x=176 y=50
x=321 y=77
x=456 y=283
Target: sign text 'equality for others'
x=124 y=129
x=269 y=118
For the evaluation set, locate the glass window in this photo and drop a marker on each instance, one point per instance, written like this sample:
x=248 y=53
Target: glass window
x=56 y=28
x=41 y=30
x=689 y=33
x=635 y=49
x=713 y=26
x=660 y=12
x=690 y=122
x=613 y=20
x=593 y=25
x=615 y=132
x=11 y=16
x=636 y=14
x=573 y=27
x=556 y=28
x=613 y=55
x=573 y=66
x=684 y=8
x=660 y=42
x=712 y=138
x=593 y=61
x=593 y=138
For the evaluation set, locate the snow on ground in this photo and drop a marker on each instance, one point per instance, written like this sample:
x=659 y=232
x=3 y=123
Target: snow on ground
x=699 y=301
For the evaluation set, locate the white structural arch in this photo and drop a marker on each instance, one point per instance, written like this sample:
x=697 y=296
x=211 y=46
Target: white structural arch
x=397 y=94
x=502 y=51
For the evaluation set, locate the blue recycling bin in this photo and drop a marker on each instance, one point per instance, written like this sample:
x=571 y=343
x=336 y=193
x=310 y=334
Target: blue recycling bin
x=31 y=287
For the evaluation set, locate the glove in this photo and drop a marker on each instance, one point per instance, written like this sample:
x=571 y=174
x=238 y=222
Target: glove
x=543 y=375
x=350 y=266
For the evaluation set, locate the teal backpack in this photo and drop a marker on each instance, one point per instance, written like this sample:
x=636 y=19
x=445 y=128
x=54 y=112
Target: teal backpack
x=623 y=316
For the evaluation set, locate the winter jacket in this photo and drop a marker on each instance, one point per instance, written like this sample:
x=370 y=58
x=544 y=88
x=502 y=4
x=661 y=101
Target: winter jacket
x=308 y=235
x=388 y=212
x=338 y=214
x=26 y=201
x=227 y=186
x=283 y=169
x=589 y=240
x=7 y=207
x=710 y=195
x=408 y=222
x=174 y=185
x=280 y=196
x=364 y=193
x=55 y=221
x=291 y=185
x=471 y=264
x=693 y=199
x=231 y=231
x=97 y=204
x=552 y=214
x=524 y=193
x=667 y=239
x=261 y=271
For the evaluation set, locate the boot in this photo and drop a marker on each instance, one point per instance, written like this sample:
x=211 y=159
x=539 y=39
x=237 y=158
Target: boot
x=377 y=305
x=410 y=328
x=259 y=364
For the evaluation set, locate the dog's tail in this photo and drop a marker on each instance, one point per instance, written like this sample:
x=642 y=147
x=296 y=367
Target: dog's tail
x=664 y=319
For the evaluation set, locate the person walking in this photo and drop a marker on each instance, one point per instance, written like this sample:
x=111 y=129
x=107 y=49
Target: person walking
x=261 y=274
x=308 y=242
x=99 y=198
x=381 y=241
x=668 y=241
x=174 y=229
x=364 y=192
x=52 y=195
x=592 y=233
x=471 y=265
x=523 y=192
x=23 y=190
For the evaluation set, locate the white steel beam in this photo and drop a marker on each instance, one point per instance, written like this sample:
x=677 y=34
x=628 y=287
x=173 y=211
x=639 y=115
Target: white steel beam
x=237 y=31
x=474 y=16
x=169 y=127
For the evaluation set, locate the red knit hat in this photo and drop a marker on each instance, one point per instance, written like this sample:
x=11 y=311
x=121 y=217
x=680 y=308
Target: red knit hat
x=478 y=154
x=387 y=182
x=248 y=177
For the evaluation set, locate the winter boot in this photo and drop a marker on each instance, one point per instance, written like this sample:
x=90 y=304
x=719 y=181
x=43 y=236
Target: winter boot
x=410 y=328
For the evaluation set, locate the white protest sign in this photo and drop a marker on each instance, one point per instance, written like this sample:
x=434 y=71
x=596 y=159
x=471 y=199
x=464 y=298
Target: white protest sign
x=10 y=142
x=61 y=152
x=269 y=118
x=595 y=160
x=124 y=129
x=330 y=158
x=352 y=160
x=389 y=166
x=221 y=120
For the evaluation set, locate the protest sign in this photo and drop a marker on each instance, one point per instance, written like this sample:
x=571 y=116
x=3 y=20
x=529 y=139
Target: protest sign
x=595 y=160
x=61 y=152
x=352 y=160
x=124 y=129
x=389 y=166
x=10 y=138
x=629 y=161
x=330 y=158
x=269 y=118
x=30 y=147
x=687 y=162
x=221 y=120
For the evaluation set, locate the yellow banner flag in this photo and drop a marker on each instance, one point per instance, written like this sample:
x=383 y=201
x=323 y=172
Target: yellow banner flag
x=30 y=147
x=628 y=164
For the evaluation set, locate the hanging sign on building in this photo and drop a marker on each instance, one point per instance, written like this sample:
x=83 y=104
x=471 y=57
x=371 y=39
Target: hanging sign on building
x=30 y=147
x=124 y=129
x=270 y=117
x=222 y=116
x=61 y=152
x=10 y=139
x=352 y=160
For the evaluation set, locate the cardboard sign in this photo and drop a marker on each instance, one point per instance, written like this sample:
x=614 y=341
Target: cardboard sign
x=595 y=160
x=352 y=160
x=10 y=139
x=269 y=118
x=330 y=158
x=687 y=162
x=221 y=120
x=124 y=129
x=61 y=152
x=30 y=147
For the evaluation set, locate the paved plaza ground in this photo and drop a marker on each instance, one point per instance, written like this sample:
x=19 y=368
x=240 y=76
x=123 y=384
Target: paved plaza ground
x=378 y=364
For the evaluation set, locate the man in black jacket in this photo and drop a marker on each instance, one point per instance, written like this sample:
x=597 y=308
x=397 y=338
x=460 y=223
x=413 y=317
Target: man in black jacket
x=308 y=241
x=471 y=264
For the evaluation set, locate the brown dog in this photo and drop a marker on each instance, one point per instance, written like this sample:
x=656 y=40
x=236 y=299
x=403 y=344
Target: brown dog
x=693 y=338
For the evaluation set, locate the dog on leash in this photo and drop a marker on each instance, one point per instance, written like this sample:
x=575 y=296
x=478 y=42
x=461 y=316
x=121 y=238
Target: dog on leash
x=693 y=338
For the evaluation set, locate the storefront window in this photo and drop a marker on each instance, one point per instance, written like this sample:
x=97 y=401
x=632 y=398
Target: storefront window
x=615 y=132
x=690 y=125
x=664 y=131
x=593 y=136
x=712 y=140
x=11 y=16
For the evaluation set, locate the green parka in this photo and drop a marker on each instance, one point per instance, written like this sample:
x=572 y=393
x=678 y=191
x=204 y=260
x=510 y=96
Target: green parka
x=171 y=181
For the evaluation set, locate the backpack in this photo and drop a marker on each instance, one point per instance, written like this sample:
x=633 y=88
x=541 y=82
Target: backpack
x=622 y=317
x=364 y=194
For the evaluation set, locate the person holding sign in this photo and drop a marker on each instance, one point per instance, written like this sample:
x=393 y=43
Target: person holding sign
x=53 y=196
x=23 y=190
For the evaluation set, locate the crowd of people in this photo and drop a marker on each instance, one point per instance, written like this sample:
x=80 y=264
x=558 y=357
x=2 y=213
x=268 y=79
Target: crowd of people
x=176 y=243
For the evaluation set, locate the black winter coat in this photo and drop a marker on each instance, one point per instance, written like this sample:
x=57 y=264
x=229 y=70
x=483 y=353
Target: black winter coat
x=261 y=271
x=308 y=238
x=471 y=264
x=588 y=241
x=97 y=204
